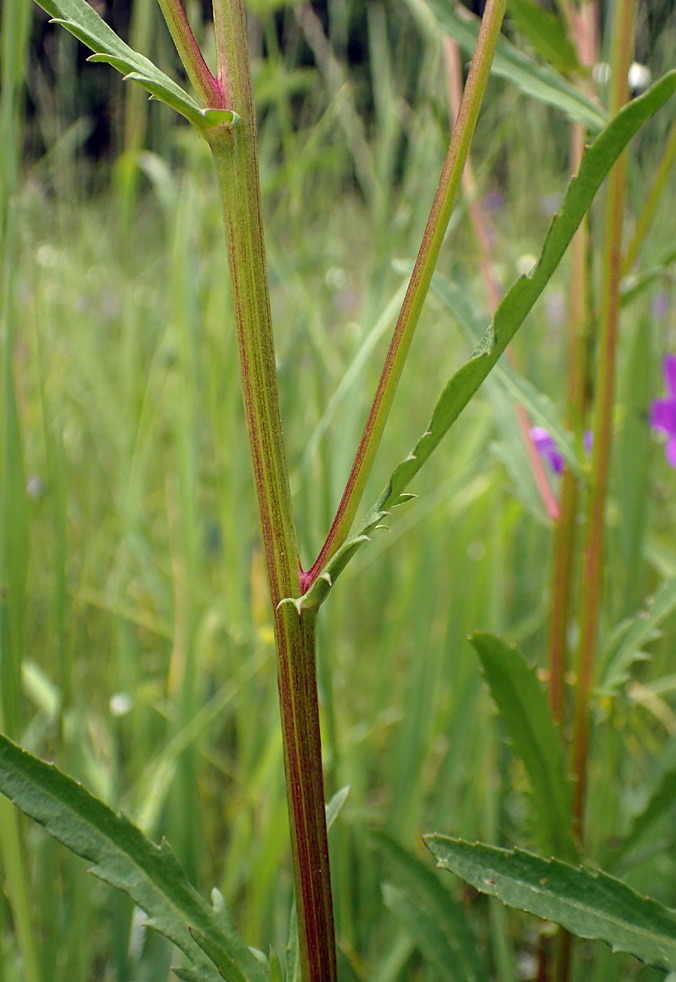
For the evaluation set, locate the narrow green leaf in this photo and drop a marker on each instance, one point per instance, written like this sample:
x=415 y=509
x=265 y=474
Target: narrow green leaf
x=335 y=805
x=275 y=967
x=588 y=903
x=509 y=316
x=435 y=921
x=544 y=31
x=626 y=644
x=539 y=406
x=125 y=858
x=539 y=82
x=80 y=18
x=524 y=707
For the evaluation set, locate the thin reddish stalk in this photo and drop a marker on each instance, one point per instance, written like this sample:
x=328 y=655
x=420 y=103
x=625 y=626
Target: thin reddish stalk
x=417 y=289
x=208 y=88
x=592 y=578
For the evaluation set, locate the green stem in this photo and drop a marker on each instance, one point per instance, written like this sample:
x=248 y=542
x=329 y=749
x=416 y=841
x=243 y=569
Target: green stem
x=578 y=319
x=592 y=579
x=235 y=155
x=428 y=255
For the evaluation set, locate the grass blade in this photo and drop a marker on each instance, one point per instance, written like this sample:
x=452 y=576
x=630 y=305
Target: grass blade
x=588 y=903
x=536 y=81
x=524 y=707
x=545 y=32
x=435 y=921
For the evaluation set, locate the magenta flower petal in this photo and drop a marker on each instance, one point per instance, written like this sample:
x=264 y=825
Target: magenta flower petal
x=669 y=368
x=663 y=415
x=663 y=411
x=671 y=452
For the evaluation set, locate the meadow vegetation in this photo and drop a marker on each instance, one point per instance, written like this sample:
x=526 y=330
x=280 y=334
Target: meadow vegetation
x=137 y=639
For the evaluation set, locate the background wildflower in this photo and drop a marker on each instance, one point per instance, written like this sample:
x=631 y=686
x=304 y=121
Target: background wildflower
x=663 y=411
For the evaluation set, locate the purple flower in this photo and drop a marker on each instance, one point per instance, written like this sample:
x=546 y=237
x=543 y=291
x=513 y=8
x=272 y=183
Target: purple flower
x=663 y=411
x=546 y=447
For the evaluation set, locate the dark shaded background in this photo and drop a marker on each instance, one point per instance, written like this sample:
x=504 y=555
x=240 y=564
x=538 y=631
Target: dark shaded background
x=64 y=90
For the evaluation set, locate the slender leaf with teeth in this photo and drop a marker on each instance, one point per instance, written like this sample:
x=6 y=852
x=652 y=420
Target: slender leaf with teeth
x=78 y=17
x=588 y=903
x=517 y=303
x=122 y=856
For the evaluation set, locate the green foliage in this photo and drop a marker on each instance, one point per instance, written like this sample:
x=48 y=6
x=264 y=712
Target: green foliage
x=509 y=316
x=541 y=410
x=524 y=708
x=537 y=81
x=80 y=18
x=435 y=921
x=626 y=644
x=588 y=903
x=138 y=552
x=123 y=857
x=544 y=30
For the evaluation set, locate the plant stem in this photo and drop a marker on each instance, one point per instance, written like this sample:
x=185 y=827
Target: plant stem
x=622 y=46
x=296 y=643
x=191 y=57
x=430 y=248
x=235 y=155
x=586 y=38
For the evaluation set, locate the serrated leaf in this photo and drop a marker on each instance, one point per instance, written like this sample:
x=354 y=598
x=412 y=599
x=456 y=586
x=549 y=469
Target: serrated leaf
x=587 y=903
x=544 y=31
x=539 y=82
x=187 y=974
x=626 y=644
x=517 y=303
x=524 y=708
x=122 y=856
x=80 y=18
x=432 y=917
x=227 y=968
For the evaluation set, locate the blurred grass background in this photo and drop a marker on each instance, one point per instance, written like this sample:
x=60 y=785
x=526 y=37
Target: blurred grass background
x=136 y=640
